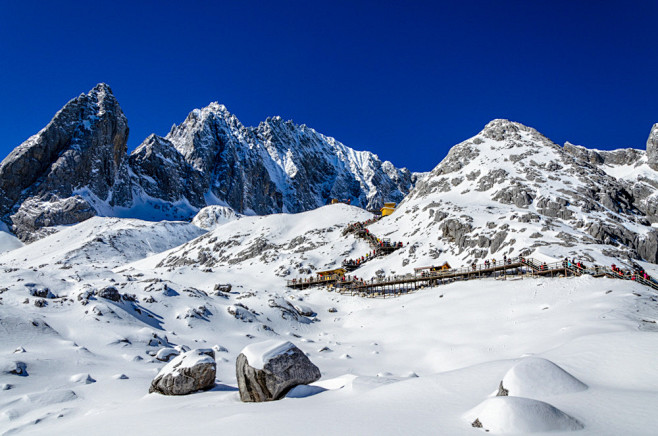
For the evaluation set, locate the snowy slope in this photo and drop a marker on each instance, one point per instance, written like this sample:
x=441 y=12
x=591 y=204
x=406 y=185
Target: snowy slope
x=511 y=191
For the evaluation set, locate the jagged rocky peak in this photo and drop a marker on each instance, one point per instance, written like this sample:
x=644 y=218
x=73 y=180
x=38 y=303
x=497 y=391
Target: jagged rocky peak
x=82 y=150
x=209 y=159
x=204 y=134
x=279 y=166
x=652 y=148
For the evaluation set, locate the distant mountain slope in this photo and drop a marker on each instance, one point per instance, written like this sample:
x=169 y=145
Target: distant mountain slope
x=77 y=167
x=511 y=191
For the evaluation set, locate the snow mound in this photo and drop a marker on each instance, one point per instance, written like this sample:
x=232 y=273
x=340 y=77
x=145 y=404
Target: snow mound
x=535 y=377
x=515 y=415
x=82 y=378
x=211 y=217
x=262 y=352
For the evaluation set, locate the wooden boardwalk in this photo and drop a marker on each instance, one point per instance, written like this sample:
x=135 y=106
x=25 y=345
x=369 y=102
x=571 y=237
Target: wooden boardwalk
x=513 y=268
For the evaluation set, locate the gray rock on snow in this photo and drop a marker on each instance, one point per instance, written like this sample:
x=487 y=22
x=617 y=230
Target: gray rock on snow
x=189 y=372
x=15 y=368
x=278 y=375
x=110 y=293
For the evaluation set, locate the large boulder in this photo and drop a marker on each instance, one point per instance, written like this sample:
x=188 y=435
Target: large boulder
x=189 y=372
x=266 y=371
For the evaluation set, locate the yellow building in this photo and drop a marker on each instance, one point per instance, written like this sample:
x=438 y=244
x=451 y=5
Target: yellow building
x=388 y=209
x=338 y=271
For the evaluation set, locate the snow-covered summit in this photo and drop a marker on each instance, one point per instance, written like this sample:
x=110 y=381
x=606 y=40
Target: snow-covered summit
x=511 y=191
x=279 y=166
x=77 y=167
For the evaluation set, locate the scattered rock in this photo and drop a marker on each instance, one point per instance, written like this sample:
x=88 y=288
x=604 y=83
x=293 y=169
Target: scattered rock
x=40 y=292
x=110 y=293
x=165 y=354
x=15 y=368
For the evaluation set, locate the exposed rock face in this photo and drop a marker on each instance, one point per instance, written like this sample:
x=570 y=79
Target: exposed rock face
x=279 y=166
x=652 y=148
x=278 y=375
x=110 y=293
x=509 y=179
x=82 y=149
x=36 y=214
x=163 y=173
x=77 y=167
x=187 y=373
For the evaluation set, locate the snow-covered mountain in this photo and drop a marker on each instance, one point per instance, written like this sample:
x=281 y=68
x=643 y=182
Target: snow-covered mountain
x=87 y=312
x=77 y=167
x=276 y=167
x=511 y=191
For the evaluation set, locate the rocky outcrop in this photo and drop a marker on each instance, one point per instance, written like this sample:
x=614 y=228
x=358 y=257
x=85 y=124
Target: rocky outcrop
x=83 y=149
x=110 y=293
x=187 y=373
x=267 y=371
x=77 y=167
x=511 y=175
x=280 y=166
x=36 y=214
x=652 y=148
x=163 y=173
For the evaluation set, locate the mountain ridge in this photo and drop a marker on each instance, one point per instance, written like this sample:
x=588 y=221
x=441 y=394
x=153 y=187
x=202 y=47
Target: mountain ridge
x=78 y=166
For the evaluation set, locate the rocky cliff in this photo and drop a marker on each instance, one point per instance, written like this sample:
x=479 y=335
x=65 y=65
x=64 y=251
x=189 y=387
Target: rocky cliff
x=77 y=167
x=80 y=153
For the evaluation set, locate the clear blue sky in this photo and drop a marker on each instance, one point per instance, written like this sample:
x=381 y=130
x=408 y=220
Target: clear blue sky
x=406 y=80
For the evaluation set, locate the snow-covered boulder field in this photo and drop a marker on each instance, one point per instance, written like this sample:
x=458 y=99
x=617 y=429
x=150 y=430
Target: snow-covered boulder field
x=267 y=370
x=575 y=352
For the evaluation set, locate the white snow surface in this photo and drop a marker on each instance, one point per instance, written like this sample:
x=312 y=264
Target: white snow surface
x=259 y=354
x=417 y=364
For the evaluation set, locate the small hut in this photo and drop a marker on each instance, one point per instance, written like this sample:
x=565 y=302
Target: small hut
x=388 y=209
